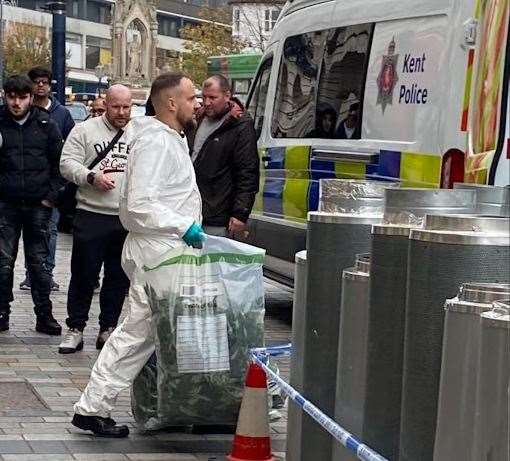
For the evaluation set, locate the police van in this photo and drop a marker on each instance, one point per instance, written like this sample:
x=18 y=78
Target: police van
x=410 y=90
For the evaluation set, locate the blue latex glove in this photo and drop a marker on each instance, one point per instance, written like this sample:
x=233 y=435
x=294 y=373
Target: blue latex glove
x=194 y=236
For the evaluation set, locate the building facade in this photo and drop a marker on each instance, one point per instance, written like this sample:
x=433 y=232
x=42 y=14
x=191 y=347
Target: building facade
x=254 y=20
x=89 y=32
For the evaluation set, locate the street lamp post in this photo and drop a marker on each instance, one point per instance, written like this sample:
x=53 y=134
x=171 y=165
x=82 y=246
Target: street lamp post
x=58 y=48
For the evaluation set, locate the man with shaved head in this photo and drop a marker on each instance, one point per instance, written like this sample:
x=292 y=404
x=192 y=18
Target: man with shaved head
x=94 y=158
x=160 y=206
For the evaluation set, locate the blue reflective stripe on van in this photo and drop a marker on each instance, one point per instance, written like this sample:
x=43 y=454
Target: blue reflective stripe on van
x=276 y=157
x=313 y=196
x=322 y=169
x=389 y=164
x=273 y=193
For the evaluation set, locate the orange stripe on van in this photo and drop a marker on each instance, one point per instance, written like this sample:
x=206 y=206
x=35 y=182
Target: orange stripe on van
x=467 y=91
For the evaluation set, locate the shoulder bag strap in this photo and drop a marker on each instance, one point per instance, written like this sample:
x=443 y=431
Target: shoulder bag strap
x=107 y=149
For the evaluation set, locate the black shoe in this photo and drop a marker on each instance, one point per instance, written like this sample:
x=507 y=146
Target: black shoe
x=4 y=322
x=48 y=325
x=25 y=285
x=102 y=337
x=100 y=426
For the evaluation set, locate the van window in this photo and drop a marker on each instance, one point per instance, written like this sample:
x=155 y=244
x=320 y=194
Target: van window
x=321 y=84
x=257 y=101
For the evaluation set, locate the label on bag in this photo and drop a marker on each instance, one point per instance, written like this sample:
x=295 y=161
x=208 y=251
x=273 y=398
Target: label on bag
x=202 y=344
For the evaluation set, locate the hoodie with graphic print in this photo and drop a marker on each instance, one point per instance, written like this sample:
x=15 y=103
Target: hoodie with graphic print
x=85 y=141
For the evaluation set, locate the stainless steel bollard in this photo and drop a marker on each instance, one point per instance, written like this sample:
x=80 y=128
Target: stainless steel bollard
x=295 y=414
x=353 y=195
x=404 y=209
x=448 y=251
x=490 y=200
x=333 y=240
x=352 y=353
x=459 y=368
x=492 y=427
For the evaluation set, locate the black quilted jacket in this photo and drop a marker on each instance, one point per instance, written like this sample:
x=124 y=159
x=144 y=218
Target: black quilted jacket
x=29 y=158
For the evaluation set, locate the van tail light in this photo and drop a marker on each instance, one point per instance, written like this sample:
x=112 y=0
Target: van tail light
x=452 y=168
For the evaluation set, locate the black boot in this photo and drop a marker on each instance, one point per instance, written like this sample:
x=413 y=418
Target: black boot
x=104 y=427
x=48 y=325
x=4 y=322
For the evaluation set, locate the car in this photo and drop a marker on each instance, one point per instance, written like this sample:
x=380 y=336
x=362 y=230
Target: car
x=85 y=98
x=78 y=111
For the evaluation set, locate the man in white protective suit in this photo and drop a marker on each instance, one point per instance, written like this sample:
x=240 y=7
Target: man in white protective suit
x=160 y=206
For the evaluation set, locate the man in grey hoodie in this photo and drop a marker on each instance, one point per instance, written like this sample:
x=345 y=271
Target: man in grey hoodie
x=41 y=78
x=98 y=235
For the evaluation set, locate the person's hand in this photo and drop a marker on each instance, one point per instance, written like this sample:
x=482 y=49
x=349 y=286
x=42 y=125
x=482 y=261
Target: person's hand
x=47 y=203
x=194 y=236
x=236 y=226
x=236 y=111
x=103 y=182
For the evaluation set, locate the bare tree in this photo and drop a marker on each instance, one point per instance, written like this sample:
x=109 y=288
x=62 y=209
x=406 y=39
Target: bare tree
x=254 y=24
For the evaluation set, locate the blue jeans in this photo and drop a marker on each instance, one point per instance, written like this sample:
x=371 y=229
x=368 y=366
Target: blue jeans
x=52 y=244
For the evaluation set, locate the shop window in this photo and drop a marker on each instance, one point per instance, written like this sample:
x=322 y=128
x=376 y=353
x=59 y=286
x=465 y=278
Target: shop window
x=98 y=51
x=270 y=18
x=74 y=50
x=98 y=12
x=168 y=25
x=237 y=20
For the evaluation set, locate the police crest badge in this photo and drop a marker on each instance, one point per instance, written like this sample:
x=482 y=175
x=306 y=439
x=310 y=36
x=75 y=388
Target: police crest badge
x=387 y=78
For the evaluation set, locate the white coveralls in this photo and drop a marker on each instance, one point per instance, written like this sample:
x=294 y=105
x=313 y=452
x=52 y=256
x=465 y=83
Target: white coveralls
x=159 y=201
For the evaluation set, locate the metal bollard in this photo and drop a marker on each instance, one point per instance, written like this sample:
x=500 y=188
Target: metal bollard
x=490 y=200
x=352 y=353
x=492 y=427
x=333 y=240
x=459 y=368
x=404 y=209
x=295 y=415
x=448 y=251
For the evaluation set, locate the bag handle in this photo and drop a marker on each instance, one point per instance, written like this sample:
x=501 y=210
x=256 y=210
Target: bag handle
x=107 y=149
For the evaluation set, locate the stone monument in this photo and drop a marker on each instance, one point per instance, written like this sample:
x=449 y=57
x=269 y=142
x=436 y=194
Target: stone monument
x=134 y=40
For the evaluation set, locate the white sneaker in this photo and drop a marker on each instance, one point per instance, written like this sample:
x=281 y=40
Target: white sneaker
x=73 y=341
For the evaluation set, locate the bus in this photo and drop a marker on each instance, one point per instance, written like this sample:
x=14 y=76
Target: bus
x=414 y=92
x=238 y=68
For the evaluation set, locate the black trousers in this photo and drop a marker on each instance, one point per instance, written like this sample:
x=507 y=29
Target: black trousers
x=97 y=240
x=33 y=221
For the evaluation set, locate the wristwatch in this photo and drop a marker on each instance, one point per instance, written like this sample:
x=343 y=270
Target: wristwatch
x=90 y=177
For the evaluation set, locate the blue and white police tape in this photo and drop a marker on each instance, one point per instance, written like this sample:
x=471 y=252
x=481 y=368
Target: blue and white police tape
x=284 y=349
x=259 y=356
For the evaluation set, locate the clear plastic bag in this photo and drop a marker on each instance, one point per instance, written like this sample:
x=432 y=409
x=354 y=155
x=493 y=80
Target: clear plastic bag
x=208 y=311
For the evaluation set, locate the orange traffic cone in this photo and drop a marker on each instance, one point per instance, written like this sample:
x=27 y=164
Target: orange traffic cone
x=252 y=441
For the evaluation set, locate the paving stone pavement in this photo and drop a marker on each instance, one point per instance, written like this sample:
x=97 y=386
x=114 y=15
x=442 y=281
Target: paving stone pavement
x=46 y=434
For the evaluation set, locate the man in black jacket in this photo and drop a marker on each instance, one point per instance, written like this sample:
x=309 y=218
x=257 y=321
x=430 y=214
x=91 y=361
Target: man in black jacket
x=41 y=79
x=30 y=145
x=224 y=153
